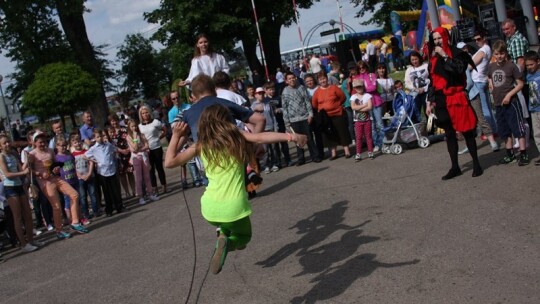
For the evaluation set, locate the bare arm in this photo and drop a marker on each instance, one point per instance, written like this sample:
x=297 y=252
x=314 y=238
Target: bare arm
x=274 y=137
x=258 y=122
x=8 y=174
x=173 y=158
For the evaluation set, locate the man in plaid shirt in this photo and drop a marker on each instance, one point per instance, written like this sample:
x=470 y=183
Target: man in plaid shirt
x=517 y=44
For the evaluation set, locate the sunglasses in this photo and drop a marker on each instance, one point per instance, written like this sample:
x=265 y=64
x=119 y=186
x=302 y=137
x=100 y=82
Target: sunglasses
x=174 y=98
x=258 y=111
x=478 y=39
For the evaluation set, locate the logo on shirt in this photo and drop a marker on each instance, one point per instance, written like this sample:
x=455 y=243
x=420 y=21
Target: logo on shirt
x=498 y=78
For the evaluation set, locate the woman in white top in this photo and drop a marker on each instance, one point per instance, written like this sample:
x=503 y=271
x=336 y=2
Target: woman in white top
x=154 y=131
x=479 y=76
x=417 y=79
x=205 y=61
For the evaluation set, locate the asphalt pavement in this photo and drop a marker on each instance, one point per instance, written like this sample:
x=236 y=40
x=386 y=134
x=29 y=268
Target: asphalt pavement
x=386 y=230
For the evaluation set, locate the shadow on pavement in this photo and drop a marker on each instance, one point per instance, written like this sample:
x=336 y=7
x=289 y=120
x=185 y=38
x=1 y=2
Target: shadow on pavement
x=289 y=181
x=315 y=229
x=335 y=280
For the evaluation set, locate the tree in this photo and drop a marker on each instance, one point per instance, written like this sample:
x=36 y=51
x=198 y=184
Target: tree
x=70 y=13
x=30 y=32
x=380 y=10
x=60 y=89
x=225 y=22
x=143 y=68
x=32 y=39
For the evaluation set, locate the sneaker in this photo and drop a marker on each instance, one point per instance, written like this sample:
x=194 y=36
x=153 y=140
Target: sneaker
x=537 y=162
x=275 y=168
x=50 y=227
x=357 y=157
x=197 y=184
x=37 y=243
x=523 y=160
x=376 y=149
x=508 y=159
x=464 y=151
x=63 y=235
x=267 y=170
x=495 y=147
x=79 y=228
x=370 y=155
x=29 y=248
x=37 y=232
x=218 y=259
x=185 y=185
x=254 y=178
x=154 y=198
x=85 y=221
x=142 y=201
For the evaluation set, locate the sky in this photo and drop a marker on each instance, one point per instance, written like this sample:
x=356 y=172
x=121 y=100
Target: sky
x=109 y=21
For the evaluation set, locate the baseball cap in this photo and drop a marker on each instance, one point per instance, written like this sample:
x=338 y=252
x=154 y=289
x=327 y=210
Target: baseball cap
x=461 y=45
x=357 y=83
x=259 y=90
x=351 y=65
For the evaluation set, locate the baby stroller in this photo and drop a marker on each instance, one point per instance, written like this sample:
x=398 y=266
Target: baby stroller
x=401 y=129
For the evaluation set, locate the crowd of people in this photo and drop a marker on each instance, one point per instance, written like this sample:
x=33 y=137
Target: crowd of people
x=317 y=108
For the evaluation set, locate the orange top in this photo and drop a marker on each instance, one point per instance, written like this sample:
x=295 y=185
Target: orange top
x=330 y=99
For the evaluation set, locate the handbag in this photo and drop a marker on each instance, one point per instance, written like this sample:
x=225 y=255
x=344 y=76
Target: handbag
x=33 y=191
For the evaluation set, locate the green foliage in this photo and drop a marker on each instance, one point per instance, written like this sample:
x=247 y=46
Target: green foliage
x=380 y=10
x=143 y=68
x=60 y=89
x=31 y=37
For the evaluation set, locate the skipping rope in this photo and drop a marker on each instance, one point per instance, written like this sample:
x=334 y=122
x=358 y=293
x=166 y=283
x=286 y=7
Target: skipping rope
x=194 y=256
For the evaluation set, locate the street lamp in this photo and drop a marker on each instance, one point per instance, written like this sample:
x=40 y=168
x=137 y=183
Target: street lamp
x=8 y=121
x=332 y=23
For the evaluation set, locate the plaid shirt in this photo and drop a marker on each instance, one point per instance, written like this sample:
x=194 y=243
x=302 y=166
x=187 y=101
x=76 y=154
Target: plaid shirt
x=518 y=45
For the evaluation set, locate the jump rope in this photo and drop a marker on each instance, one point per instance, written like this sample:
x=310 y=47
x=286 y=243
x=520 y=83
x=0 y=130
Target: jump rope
x=195 y=246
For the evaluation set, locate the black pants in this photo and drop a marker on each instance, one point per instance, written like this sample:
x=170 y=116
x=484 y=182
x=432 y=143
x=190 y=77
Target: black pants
x=111 y=191
x=156 y=163
x=302 y=127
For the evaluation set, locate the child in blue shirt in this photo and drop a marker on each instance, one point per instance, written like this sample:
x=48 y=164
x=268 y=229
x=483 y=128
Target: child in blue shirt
x=104 y=155
x=532 y=61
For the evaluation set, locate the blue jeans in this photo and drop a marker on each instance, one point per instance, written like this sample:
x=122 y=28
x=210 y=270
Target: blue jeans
x=486 y=105
x=87 y=187
x=377 y=129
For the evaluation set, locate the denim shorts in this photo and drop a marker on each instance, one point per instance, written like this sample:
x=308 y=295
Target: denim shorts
x=13 y=191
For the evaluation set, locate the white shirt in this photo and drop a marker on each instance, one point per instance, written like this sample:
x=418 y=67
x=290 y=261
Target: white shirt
x=362 y=100
x=480 y=74
x=315 y=65
x=279 y=77
x=231 y=96
x=207 y=65
x=370 y=49
x=152 y=131
x=384 y=48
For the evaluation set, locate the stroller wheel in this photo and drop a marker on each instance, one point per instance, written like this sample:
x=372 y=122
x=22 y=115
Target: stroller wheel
x=397 y=149
x=423 y=142
x=386 y=149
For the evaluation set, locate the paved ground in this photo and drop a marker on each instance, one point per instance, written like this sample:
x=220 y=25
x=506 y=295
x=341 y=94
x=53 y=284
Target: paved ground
x=380 y=231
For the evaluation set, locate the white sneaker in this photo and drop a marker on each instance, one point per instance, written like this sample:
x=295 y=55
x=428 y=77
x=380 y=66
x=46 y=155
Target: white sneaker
x=37 y=243
x=37 y=232
x=357 y=157
x=376 y=149
x=495 y=146
x=142 y=201
x=29 y=248
x=267 y=170
x=50 y=227
x=275 y=168
x=370 y=155
x=154 y=197
x=463 y=151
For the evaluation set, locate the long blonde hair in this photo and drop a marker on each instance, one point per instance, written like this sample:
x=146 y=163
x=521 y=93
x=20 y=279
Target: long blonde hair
x=220 y=139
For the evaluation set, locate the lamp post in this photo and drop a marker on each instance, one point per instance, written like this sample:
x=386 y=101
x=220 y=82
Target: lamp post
x=332 y=22
x=8 y=122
